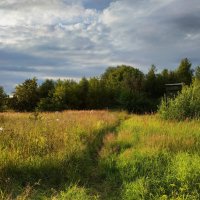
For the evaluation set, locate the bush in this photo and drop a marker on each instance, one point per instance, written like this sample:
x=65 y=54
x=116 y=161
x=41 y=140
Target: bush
x=185 y=106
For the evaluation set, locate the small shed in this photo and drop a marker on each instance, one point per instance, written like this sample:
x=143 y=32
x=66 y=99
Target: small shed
x=173 y=88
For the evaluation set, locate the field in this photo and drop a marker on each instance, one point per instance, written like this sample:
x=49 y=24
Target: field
x=98 y=155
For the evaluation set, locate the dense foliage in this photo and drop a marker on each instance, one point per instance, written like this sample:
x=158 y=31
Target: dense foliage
x=2 y=98
x=121 y=87
x=185 y=106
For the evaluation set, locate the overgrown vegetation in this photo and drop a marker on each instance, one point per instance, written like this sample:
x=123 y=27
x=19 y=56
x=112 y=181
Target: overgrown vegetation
x=185 y=106
x=51 y=155
x=83 y=155
x=151 y=159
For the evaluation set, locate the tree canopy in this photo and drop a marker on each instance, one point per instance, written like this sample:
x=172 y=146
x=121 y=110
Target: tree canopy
x=121 y=87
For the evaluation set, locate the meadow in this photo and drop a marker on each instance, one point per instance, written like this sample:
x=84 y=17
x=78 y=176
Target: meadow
x=149 y=158
x=98 y=155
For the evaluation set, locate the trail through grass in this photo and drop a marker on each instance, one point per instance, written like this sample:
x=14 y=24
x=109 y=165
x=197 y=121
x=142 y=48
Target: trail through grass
x=150 y=158
x=98 y=155
x=51 y=155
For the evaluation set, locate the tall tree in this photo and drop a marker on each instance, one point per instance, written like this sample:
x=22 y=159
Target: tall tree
x=197 y=73
x=151 y=82
x=83 y=88
x=46 y=88
x=65 y=95
x=46 y=91
x=2 y=98
x=126 y=86
x=97 y=94
x=26 y=95
x=184 y=72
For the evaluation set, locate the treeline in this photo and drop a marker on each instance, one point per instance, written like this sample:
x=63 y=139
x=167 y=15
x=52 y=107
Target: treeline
x=121 y=87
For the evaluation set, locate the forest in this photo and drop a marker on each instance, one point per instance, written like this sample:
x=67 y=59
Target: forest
x=121 y=88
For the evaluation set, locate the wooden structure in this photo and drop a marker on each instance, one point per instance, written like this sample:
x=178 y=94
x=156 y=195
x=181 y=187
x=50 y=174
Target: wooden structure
x=173 y=88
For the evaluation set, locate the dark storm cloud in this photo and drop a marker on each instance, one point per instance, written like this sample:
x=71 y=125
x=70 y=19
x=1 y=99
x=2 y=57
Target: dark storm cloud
x=9 y=60
x=187 y=23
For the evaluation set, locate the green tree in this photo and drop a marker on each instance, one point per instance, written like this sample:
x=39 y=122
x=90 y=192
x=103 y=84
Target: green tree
x=197 y=73
x=121 y=78
x=97 y=94
x=26 y=95
x=65 y=95
x=184 y=72
x=151 y=84
x=46 y=91
x=82 y=94
x=124 y=76
x=2 y=98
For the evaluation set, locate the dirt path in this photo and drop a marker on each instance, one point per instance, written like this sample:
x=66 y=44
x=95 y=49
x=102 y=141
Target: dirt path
x=98 y=180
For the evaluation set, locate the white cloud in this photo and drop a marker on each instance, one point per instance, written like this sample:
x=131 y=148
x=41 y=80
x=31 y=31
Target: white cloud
x=62 y=37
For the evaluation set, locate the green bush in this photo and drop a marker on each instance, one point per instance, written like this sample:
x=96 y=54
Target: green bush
x=185 y=106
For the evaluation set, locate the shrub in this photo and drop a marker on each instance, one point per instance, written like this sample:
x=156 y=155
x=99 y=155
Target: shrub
x=185 y=106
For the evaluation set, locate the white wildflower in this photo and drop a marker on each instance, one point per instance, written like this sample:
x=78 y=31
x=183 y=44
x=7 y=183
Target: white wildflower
x=1 y=129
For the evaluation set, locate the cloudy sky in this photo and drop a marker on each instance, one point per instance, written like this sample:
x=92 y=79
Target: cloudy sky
x=75 y=38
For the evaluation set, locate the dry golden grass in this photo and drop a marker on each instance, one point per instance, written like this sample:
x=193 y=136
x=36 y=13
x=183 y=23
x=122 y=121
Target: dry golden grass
x=43 y=146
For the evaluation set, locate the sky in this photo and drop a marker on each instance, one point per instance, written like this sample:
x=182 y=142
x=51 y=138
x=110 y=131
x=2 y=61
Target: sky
x=75 y=38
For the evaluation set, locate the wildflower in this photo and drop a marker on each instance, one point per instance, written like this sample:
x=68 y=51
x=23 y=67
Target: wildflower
x=1 y=128
x=57 y=120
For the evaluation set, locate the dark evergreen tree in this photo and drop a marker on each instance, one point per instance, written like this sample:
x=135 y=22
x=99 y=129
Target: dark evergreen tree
x=184 y=72
x=151 y=83
x=82 y=94
x=2 y=98
x=197 y=73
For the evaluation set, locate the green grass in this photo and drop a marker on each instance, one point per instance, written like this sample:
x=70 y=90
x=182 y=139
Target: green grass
x=149 y=158
x=83 y=155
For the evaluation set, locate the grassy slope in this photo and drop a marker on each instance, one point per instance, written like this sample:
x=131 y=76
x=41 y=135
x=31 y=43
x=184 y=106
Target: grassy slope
x=98 y=155
x=149 y=158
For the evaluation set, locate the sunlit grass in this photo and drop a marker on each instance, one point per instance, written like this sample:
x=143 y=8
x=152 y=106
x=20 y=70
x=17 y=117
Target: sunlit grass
x=98 y=155
x=48 y=151
x=153 y=159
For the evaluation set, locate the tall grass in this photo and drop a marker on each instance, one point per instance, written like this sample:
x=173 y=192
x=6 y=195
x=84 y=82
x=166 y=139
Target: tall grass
x=149 y=158
x=85 y=155
x=42 y=154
